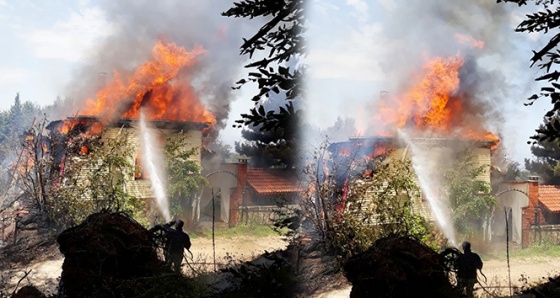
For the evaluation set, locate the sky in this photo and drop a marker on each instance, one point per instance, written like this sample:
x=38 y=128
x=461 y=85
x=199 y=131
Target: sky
x=357 y=49
x=58 y=48
x=43 y=43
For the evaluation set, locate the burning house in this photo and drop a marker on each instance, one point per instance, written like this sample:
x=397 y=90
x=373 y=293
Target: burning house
x=433 y=115
x=150 y=105
x=431 y=153
x=432 y=122
x=138 y=183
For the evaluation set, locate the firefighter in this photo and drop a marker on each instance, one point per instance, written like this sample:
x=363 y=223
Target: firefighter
x=467 y=264
x=177 y=241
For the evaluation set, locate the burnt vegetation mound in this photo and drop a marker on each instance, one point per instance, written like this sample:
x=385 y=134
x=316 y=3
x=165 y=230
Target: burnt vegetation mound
x=549 y=289
x=398 y=267
x=28 y=291
x=270 y=275
x=111 y=255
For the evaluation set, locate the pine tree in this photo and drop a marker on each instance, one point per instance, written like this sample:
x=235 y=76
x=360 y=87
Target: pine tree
x=273 y=143
x=546 y=163
x=545 y=20
x=270 y=130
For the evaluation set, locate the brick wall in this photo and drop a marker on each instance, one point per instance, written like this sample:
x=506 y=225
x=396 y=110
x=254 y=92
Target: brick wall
x=532 y=215
x=237 y=193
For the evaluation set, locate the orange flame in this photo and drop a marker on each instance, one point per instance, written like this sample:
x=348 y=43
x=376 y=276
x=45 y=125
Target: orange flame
x=426 y=104
x=90 y=127
x=467 y=39
x=84 y=150
x=487 y=136
x=158 y=86
x=432 y=104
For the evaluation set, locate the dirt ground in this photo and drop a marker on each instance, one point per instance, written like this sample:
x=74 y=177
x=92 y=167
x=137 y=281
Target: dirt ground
x=228 y=250
x=45 y=274
x=523 y=272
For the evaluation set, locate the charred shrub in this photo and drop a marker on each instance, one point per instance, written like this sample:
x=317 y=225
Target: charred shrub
x=398 y=266
x=273 y=276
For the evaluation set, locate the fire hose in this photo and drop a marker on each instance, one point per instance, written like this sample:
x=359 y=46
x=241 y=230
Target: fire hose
x=187 y=261
x=484 y=287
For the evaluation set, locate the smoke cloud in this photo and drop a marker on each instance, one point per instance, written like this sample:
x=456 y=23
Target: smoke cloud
x=494 y=77
x=428 y=28
x=137 y=27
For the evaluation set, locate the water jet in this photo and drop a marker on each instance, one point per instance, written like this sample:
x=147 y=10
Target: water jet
x=153 y=161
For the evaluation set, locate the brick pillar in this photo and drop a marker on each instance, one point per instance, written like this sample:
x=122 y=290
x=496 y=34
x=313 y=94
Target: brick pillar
x=236 y=197
x=531 y=214
x=533 y=193
x=526 y=222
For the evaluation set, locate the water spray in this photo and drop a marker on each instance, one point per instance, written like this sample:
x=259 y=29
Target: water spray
x=152 y=159
x=421 y=160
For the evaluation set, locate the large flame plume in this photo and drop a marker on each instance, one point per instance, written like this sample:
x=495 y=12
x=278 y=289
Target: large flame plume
x=159 y=86
x=433 y=104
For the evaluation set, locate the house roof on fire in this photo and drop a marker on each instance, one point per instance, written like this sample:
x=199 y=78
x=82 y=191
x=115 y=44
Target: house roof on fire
x=127 y=122
x=549 y=196
x=271 y=181
x=368 y=144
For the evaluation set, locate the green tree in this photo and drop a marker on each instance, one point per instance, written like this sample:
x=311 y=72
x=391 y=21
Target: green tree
x=4 y=126
x=29 y=113
x=546 y=161
x=380 y=206
x=342 y=129
x=93 y=180
x=514 y=172
x=545 y=20
x=469 y=197
x=274 y=143
x=16 y=114
x=218 y=151
x=278 y=41
x=184 y=177
x=14 y=122
x=10 y=128
x=18 y=127
x=277 y=45
x=351 y=215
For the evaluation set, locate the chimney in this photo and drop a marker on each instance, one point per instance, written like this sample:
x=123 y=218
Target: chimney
x=533 y=179
x=237 y=197
x=533 y=190
x=242 y=172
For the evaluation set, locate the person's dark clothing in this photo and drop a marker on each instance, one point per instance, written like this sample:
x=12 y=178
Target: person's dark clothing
x=177 y=241
x=467 y=264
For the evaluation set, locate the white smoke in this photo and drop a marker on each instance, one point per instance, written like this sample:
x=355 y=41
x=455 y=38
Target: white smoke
x=352 y=58
x=495 y=79
x=139 y=24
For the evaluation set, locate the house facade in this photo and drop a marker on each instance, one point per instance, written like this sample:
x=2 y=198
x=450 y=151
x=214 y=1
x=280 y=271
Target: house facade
x=430 y=156
x=528 y=212
x=137 y=182
x=240 y=192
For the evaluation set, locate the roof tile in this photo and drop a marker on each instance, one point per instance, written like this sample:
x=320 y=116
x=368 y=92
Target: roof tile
x=269 y=181
x=549 y=196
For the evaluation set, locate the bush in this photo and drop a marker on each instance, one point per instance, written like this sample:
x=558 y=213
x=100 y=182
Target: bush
x=379 y=207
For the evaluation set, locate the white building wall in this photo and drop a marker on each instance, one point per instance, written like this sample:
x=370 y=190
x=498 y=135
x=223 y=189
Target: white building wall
x=513 y=200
